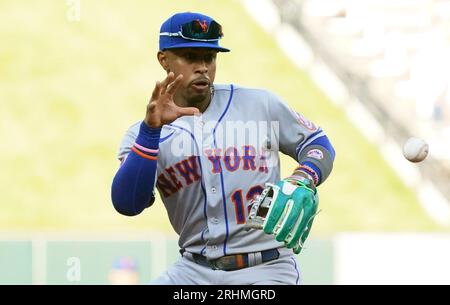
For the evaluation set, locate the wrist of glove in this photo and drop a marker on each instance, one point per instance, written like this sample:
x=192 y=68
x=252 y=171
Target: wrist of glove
x=292 y=210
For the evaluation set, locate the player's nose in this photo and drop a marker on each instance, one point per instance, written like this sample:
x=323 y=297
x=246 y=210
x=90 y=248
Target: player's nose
x=201 y=67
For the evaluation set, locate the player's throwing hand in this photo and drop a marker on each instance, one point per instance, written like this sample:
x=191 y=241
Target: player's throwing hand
x=162 y=109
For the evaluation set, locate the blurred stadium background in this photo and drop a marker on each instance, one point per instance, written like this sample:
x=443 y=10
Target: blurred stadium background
x=75 y=74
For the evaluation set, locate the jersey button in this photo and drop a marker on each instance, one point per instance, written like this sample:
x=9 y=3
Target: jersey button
x=215 y=220
x=213 y=190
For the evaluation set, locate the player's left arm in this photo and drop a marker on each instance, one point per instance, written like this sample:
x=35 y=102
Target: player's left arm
x=295 y=198
x=303 y=140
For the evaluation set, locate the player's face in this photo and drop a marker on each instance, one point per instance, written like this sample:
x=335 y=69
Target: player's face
x=198 y=67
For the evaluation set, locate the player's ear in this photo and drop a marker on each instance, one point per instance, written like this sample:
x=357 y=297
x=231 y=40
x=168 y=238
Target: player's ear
x=163 y=60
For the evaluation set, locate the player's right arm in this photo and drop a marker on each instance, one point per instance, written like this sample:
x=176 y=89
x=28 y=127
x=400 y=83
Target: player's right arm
x=132 y=187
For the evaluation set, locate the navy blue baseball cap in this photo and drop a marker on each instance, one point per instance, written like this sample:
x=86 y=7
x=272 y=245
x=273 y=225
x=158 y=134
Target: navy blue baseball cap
x=190 y=30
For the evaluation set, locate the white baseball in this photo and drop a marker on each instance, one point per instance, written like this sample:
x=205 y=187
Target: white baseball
x=415 y=149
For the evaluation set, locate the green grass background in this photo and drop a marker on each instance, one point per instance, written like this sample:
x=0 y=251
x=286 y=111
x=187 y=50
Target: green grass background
x=69 y=90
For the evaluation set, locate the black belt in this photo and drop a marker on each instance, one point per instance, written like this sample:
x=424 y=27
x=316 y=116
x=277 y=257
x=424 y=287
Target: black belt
x=235 y=261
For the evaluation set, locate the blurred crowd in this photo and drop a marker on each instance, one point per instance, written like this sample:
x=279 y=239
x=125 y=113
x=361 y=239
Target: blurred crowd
x=400 y=49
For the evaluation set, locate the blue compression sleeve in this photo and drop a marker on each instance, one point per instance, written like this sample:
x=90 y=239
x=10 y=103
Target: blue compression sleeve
x=132 y=187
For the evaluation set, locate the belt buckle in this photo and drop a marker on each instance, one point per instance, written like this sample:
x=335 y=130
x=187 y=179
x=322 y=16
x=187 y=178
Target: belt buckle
x=232 y=262
x=213 y=264
x=224 y=263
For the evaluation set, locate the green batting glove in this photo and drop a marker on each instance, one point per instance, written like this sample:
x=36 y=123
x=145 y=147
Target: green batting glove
x=291 y=213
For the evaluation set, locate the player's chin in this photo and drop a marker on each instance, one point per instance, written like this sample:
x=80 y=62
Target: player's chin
x=198 y=96
x=197 y=100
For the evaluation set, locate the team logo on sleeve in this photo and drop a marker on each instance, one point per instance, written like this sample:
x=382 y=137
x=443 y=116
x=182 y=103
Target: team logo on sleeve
x=315 y=154
x=304 y=121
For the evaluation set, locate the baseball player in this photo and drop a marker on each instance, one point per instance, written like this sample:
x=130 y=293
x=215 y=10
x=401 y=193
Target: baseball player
x=212 y=152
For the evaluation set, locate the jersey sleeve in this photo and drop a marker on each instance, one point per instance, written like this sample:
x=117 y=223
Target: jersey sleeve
x=302 y=140
x=128 y=141
x=133 y=185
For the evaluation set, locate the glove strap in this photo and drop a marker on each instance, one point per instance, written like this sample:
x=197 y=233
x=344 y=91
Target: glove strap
x=302 y=182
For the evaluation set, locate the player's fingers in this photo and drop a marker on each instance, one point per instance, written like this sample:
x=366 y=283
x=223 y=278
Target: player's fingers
x=172 y=87
x=300 y=227
x=156 y=91
x=166 y=82
x=293 y=213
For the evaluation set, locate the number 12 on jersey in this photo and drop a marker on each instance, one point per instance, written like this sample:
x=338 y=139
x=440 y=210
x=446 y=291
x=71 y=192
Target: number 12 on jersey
x=238 y=201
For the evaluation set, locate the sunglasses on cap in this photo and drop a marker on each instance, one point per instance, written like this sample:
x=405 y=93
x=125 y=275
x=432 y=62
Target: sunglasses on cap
x=198 y=31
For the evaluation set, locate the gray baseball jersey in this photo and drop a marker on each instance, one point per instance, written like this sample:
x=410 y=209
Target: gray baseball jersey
x=211 y=166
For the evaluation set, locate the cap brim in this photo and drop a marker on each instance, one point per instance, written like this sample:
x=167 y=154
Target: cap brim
x=197 y=44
